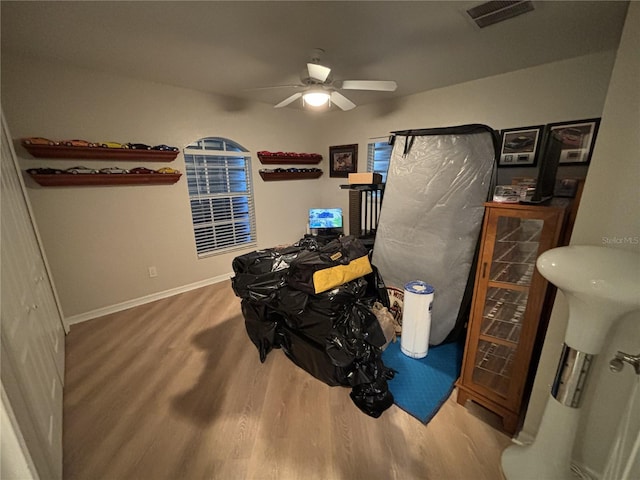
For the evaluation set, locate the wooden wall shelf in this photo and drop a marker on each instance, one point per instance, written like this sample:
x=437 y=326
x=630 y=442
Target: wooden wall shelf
x=95 y=179
x=100 y=153
x=281 y=159
x=274 y=176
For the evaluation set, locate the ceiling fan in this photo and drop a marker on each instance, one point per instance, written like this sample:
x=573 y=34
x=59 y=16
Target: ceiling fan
x=319 y=88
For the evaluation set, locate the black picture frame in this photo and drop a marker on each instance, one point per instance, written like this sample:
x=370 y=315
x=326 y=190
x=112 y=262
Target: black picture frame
x=520 y=147
x=343 y=160
x=578 y=138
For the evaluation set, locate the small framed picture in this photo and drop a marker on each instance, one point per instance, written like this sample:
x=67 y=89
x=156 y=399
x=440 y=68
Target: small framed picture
x=343 y=160
x=578 y=138
x=520 y=147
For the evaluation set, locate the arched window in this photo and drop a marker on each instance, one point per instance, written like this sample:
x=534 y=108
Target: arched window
x=221 y=195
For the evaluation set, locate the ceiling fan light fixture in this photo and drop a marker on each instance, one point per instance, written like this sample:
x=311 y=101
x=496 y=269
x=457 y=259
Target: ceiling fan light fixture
x=316 y=98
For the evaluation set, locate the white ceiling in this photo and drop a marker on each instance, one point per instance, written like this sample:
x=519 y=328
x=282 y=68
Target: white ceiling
x=229 y=48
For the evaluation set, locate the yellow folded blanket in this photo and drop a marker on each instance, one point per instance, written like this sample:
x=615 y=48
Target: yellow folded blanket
x=329 y=278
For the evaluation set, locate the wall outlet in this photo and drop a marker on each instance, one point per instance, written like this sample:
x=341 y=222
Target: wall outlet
x=153 y=272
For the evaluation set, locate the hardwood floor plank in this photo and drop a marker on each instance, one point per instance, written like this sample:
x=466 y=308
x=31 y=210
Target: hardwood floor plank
x=175 y=390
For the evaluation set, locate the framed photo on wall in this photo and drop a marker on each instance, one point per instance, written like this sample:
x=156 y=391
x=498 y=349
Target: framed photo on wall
x=343 y=160
x=578 y=138
x=520 y=147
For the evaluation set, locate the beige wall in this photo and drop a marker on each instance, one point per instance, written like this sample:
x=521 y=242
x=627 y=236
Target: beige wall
x=101 y=241
x=567 y=90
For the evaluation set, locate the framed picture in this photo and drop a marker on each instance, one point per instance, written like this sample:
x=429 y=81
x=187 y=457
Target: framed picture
x=520 y=147
x=578 y=138
x=343 y=160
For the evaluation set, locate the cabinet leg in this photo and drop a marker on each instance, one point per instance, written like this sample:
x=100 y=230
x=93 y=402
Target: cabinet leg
x=462 y=397
x=510 y=423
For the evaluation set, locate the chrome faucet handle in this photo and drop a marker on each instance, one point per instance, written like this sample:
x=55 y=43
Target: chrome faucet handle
x=617 y=363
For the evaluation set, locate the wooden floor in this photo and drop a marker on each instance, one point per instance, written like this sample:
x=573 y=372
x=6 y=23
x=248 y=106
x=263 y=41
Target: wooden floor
x=175 y=390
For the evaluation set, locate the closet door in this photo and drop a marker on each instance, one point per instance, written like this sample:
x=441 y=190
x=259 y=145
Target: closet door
x=31 y=332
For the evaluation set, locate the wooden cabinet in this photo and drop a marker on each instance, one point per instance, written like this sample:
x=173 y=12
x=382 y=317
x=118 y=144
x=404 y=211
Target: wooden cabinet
x=509 y=312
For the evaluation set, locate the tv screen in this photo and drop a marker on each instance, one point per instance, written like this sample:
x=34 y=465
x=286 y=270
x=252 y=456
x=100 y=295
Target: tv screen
x=325 y=218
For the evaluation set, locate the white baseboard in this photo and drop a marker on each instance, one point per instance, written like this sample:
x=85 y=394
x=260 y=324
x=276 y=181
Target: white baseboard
x=100 y=312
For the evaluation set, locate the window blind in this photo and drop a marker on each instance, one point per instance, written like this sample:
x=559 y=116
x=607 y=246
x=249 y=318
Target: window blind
x=378 y=157
x=221 y=195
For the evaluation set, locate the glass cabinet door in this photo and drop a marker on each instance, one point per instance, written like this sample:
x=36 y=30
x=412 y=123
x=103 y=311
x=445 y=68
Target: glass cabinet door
x=510 y=307
x=505 y=302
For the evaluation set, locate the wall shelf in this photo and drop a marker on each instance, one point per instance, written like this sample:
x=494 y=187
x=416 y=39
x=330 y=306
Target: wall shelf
x=311 y=159
x=95 y=179
x=99 y=153
x=274 y=176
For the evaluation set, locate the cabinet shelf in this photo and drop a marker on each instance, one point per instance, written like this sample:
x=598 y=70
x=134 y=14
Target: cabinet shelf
x=275 y=176
x=95 y=179
x=99 y=153
x=289 y=159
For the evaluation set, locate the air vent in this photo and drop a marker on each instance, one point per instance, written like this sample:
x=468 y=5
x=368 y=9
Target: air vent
x=493 y=12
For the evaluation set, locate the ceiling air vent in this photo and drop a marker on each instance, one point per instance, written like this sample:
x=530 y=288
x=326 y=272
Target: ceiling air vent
x=493 y=12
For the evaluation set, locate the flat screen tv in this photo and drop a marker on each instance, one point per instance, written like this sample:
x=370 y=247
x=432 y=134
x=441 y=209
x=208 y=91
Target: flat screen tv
x=323 y=221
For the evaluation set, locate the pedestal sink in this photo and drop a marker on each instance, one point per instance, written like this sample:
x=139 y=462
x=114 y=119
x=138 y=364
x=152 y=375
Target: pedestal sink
x=600 y=284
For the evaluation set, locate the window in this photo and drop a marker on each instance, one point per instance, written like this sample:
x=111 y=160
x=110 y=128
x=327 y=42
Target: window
x=221 y=195
x=378 y=156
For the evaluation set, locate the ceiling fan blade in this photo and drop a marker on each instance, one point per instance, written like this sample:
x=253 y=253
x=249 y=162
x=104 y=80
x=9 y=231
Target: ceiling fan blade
x=380 y=85
x=288 y=100
x=293 y=85
x=341 y=101
x=318 y=72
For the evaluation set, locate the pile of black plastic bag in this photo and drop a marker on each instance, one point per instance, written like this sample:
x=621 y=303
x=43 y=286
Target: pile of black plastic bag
x=332 y=335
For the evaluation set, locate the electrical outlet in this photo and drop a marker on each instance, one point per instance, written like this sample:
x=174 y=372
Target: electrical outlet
x=153 y=272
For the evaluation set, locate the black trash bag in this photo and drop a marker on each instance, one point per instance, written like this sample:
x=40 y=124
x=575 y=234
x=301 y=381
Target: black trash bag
x=259 y=288
x=311 y=357
x=367 y=325
x=333 y=335
x=376 y=289
x=260 y=274
x=340 y=251
x=357 y=334
x=261 y=324
x=265 y=261
x=310 y=242
x=373 y=398
x=289 y=302
x=322 y=310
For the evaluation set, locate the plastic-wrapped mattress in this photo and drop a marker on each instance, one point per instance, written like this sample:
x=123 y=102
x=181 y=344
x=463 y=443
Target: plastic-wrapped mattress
x=333 y=335
x=431 y=218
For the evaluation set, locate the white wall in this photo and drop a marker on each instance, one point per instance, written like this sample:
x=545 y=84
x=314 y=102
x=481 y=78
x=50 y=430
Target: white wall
x=100 y=241
x=608 y=216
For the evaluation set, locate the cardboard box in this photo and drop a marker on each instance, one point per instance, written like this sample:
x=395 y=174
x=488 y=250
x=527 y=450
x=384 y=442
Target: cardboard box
x=364 y=178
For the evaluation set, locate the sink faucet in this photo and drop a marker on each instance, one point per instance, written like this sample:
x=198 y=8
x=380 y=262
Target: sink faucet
x=617 y=363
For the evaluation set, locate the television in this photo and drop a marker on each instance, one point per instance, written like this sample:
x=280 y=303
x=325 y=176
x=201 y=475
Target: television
x=325 y=221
